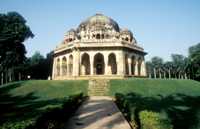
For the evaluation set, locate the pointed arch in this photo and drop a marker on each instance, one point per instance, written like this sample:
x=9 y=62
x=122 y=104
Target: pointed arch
x=85 y=64
x=58 y=67
x=126 y=64
x=139 y=65
x=64 y=66
x=70 y=65
x=133 y=63
x=99 y=65
x=112 y=63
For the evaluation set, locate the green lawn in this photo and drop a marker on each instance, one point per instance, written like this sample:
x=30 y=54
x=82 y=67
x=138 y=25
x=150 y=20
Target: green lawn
x=25 y=100
x=154 y=87
x=177 y=100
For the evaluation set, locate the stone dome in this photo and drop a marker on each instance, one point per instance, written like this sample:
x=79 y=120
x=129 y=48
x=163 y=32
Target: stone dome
x=99 y=22
x=126 y=31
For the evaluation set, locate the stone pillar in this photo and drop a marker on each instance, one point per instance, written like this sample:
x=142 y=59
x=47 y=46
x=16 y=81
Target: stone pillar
x=106 y=64
x=91 y=64
x=120 y=63
x=76 y=62
x=68 y=68
x=53 y=69
x=136 y=67
x=129 y=66
x=61 y=68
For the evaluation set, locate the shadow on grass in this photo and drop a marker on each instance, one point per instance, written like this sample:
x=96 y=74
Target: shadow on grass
x=18 y=108
x=183 y=111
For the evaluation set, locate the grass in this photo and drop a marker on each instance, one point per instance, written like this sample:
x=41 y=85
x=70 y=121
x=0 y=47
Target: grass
x=178 y=100
x=26 y=100
x=155 y=87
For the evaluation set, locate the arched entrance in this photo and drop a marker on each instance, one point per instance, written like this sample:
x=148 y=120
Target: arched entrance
x=99 y=65
x=126 y=64
x=85 y=64
x=112 y=63
x=70 y=65
x=58 y=67
x=139 y=65
x=133 y=65
x=64 y=66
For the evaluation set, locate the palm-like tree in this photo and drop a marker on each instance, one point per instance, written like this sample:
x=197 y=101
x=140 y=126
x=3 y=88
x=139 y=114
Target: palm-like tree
x=168 y=66
x=149 y=67
x=157 y=63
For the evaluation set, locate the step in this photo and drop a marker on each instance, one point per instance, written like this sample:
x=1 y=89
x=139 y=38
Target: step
x=98 y=87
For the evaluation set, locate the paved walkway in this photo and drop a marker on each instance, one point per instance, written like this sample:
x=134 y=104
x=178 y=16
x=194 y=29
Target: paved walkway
x=98 y=112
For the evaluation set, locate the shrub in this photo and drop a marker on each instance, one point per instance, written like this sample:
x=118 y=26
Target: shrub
x=56 y=117
x=123 y=105
x=52 y=118
x=18 y=125
x=152 y=120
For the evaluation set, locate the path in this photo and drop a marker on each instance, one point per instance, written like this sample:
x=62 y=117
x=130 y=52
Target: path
x=98 y=112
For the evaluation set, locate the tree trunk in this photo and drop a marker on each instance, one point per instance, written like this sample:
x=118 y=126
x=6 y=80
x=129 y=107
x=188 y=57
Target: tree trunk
x=149 y=74
x=179 y=75
x=13 y=75
x=6 y=76
x=160 y=76
x=164 y=75
x=182 y=77
x=19 y=75
x=9 y=75
x=2 y=78
x=169 y=72
x=185 y=76
x=154 y=72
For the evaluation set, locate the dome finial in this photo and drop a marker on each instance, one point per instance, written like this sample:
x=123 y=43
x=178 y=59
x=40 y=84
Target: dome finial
x=98 y=13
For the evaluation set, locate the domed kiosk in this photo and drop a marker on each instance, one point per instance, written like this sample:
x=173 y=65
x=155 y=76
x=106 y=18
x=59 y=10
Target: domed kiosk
x=98 y=48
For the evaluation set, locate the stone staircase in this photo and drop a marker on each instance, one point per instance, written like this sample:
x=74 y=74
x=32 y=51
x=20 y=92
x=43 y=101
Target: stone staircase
x=98 y=87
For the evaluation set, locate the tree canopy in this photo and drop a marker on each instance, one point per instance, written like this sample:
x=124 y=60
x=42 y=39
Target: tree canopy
x=13 y=32
x=194 y=60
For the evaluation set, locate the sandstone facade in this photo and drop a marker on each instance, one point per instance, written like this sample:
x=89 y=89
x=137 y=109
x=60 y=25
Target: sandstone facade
x=98 y=48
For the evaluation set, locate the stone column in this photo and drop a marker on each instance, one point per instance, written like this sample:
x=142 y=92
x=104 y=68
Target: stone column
x=76 y=62
x=136 y=67
x=53 y=69
x=106 y=64
x=61 y=68
x=129 y=66
x=91 y=64
x=68 y=68
x=120 y=63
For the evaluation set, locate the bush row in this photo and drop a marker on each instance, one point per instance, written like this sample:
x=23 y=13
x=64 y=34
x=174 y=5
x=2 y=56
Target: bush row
x=138 y=116
x=52 y=118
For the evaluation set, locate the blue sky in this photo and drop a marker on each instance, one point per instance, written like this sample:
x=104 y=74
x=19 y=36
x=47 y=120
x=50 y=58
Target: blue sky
x=161 y=27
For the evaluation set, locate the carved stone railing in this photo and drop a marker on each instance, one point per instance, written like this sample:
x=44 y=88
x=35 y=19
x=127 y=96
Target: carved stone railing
x=98 y=43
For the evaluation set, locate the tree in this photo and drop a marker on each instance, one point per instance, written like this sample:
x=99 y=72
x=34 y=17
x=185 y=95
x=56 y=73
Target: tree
x=49 y=63
x=168 y=66
x=149 y=67
x=194 y=61
x=13 y=32
x=39 y=66
x=157 y=63
x=179 y=64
